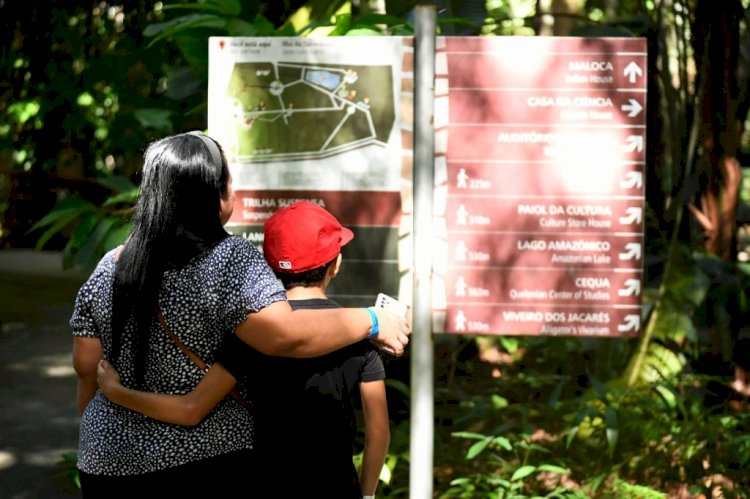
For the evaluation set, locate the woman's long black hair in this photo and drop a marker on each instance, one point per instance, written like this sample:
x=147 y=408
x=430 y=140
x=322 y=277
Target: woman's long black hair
x=176 y=218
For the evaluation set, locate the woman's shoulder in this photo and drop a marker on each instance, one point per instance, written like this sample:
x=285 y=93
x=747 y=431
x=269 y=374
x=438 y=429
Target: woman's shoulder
x=234 y=242
x=101 y=277
x=233 y=246
x=107 y=263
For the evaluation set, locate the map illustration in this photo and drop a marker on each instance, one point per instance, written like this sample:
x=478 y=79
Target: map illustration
x=293 y=111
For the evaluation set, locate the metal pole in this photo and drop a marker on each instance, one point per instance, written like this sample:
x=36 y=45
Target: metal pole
x=422 y=345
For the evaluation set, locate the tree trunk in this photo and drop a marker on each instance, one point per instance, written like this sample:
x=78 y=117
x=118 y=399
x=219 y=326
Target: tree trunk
x=716 y=35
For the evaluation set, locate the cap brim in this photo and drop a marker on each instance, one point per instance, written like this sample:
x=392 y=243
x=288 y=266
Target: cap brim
x=346 y=236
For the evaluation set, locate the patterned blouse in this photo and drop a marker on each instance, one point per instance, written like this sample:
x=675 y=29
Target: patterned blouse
x=202 y=302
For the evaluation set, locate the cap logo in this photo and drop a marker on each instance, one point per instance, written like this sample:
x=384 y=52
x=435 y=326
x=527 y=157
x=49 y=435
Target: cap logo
x=285 y=264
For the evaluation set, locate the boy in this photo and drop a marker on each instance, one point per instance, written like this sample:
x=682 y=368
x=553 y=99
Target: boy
x=304 y=409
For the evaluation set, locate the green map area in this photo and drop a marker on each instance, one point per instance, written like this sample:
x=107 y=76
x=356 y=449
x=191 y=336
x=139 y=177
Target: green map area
x=308 y=111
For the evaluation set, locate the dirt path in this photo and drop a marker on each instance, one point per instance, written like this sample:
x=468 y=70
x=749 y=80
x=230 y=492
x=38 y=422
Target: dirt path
x=38 y=419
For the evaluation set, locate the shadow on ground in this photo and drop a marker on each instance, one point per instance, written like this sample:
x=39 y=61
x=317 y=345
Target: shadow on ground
x=38 y=417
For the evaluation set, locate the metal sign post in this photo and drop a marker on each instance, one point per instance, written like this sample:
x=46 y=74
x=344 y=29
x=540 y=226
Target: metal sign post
x=422 y=345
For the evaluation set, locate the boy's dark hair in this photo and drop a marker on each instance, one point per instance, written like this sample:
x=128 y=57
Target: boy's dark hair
x=305 y=279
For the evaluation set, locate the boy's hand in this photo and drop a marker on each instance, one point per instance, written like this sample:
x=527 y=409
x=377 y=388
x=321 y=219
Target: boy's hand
x=106 y=376
x=394 y=332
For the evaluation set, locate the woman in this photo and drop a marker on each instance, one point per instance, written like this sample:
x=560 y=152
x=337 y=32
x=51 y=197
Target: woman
x=179 y=260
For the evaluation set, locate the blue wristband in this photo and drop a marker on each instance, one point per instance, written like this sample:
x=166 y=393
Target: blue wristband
x=375 y=329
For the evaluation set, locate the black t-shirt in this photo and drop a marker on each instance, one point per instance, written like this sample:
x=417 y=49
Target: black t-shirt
x=304 y=409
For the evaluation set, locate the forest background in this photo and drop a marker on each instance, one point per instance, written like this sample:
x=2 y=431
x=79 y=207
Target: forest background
x=85 y=85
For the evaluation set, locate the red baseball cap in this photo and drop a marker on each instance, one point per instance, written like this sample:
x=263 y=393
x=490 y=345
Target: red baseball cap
x=301 y=237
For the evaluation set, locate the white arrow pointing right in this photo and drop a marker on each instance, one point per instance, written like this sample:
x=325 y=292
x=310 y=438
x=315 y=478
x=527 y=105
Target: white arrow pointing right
x=634 y=215
x=633 y=108
x=631 y=180
x=632 y=322
x=632 y=251
x=632 y=287
x=633 y=143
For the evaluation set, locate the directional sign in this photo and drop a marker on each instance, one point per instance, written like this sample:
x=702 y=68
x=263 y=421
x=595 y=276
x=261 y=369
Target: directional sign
x=544 y=215
x=542 y=319
x=583 y=177
x=572 y=144
x=525 y=285
x=540 y=152
x=538 y=250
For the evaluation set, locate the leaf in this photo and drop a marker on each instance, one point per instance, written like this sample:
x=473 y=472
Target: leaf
x=116 y=236
x=158 y=119
x=612 y=431
x=610 y=417
x=342 y=24
x=375 y=19
x=230 y=8
x=91 y=251
x=468 y=434
x=674 y=325
x=551 y=468
x=598 y=387
x=182 y=82
x=554 y=397
x=478 y=447
x=666 y=395
x=687 y=281
x=193 y=46
x=174 y=27
x=498 y=402
x=264 y=27
x=460 y=21
x=612 y=434
x=60 y=217
x=661 y=363
x=83 y=230
x=363 y=32
x=399 y=386
x=68 y=209
x=385 y=474
x=503 y=442
x=509 y=344
x=522 y=473
x=117 y=183
x=238 y=27
x=54 y=229
x=126 y=197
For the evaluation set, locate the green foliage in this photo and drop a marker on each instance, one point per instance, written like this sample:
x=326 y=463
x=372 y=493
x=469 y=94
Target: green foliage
x=92 y=229
x=668 y=435
x=565 y=417
x=69 y=471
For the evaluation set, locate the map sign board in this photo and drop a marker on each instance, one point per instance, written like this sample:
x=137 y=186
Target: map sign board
x=540 y=198
x=326 y=120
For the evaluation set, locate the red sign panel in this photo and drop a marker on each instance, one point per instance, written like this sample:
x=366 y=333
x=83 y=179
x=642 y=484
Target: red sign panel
x=254 y=207
x=553 y=214
x=532 y=286
x=537 y=250
x=540 y=145
x=543 y=319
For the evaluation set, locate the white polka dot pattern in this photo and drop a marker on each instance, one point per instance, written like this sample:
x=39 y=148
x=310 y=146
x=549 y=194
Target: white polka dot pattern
x=202 y=302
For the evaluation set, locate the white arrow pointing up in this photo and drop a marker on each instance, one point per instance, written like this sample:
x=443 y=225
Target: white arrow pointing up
x=632 y=251
x=633 y=143
x=632 y=108
x=631 y=180
x=632 y=287
x=634 y=215
x=632 y=322
x=632 y=71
